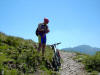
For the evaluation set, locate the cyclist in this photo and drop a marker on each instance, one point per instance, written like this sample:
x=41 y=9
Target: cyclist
x=41 y=32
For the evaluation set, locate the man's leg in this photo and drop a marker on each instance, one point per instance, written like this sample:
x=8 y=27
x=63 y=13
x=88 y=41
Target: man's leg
x=40 y=45
x=43 y=49
x=43 y=44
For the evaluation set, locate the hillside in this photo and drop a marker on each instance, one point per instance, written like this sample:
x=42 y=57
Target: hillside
x=83 y=49
x=20 y=57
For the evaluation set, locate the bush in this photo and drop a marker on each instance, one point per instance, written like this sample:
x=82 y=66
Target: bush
x=92 y=63
x=94 y=73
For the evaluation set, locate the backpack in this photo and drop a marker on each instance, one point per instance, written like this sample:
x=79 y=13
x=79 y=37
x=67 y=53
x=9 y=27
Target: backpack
x=37 y=32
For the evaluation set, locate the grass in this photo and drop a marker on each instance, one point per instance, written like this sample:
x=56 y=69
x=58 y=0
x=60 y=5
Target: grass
x=19 y=57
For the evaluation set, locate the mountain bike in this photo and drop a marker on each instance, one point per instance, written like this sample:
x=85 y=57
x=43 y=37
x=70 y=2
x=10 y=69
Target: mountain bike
x=56 y=57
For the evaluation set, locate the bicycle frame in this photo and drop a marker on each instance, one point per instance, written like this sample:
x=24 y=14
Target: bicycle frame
x=56 y=57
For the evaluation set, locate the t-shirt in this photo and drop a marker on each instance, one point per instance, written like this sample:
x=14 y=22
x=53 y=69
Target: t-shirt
x=42 y=28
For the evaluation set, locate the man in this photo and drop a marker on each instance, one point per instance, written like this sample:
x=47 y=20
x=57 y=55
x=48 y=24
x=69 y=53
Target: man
x=42 y=30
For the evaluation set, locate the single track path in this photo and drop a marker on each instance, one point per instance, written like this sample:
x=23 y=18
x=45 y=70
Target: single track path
x=70 y=66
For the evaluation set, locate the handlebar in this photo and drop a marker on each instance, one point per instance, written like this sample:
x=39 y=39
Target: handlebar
x=55 y=44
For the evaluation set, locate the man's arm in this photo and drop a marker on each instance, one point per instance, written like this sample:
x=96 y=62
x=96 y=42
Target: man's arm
x=47 y=30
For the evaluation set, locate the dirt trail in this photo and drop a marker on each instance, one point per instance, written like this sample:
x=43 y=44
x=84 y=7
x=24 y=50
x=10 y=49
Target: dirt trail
x=70 y=66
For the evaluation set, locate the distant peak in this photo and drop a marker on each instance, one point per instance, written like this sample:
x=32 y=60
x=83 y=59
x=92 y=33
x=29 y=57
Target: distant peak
x=83 y=46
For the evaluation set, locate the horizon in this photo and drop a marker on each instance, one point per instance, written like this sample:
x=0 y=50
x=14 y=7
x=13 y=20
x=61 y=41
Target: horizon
x=49 y=44
x=72 y=22
x=84 y=46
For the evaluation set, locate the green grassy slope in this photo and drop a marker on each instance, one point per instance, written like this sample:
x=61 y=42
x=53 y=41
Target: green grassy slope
x=19 y=57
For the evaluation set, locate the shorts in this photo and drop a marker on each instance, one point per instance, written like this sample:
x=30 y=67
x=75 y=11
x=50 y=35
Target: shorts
x=41 y=39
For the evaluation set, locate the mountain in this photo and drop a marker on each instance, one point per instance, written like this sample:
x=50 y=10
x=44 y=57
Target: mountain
x=83 y=49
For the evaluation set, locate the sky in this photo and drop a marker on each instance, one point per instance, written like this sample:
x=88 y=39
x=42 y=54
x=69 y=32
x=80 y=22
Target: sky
x=72 y=22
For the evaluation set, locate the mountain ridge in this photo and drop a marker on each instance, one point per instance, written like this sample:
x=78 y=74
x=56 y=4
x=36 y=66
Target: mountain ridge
x=87 y=49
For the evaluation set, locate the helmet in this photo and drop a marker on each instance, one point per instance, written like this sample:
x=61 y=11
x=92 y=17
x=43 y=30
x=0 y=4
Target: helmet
x=46 y=20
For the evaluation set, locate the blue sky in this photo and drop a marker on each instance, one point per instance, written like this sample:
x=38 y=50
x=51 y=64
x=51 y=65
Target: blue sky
x=72 y=22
